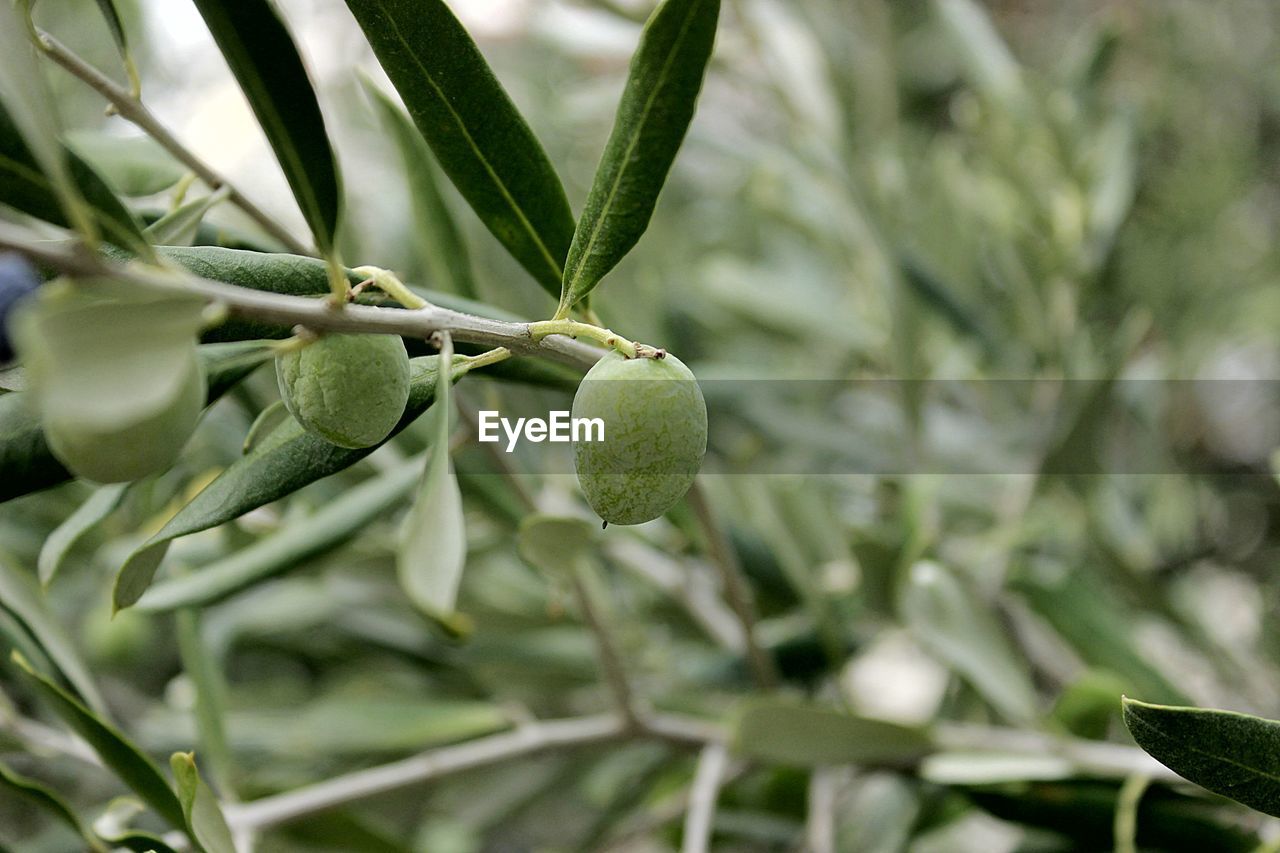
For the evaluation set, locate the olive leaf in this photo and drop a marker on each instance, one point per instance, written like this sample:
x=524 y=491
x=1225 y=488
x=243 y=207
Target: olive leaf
x=116 y=751
x=554 y=543
x=178 y=227
x=479 y=138
x=653 y=117
x=443 y=248
x=785 y=732
x=20 y=596
x=200 y=806
x=262 y=56
x=433 y=542
x=46 y=800
x=959 y=629
x=87 y=516
x=26 y=102
x=1235 y=755
x=984 y=53
x=132 y=165
x=283 y=461
x=301 y=540
x=25 y=186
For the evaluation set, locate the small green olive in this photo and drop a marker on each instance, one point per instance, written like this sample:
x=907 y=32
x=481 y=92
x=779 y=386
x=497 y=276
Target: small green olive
x=129 y=451
x=655 y=435
x=350 y=390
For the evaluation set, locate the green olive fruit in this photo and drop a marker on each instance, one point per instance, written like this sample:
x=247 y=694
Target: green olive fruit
x=350 y=390
x=655 y=435
x=125 y=451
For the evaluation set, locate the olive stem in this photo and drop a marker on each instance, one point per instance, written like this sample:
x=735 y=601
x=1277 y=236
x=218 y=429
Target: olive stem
x=736 y=590
x=591 y=601
x=574 y=329
x=390 y=284
x=131 y=108
x=484 y=359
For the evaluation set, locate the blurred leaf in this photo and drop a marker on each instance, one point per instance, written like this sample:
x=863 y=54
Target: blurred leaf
x=443 y=247
x=286 y=459
x=292 y=545
x=985 y=768
x=202 y=670
x=179 y=226
x=28 y=126
x=1235 y=755
x=1090 y=617
x=132 y=165
x=87 y=516
x=958 y=628
x=990 y=65
x=1084 y=812
x=653 y=116
x=478 y=136
x=20 y=595
x=1087 y=705
x=555 y=544
x=433 y=543
x=46 y=800
x=25 y=186
x=117 y=753
x=934 y=292
x=262 y=56
x=783 y=732
x=200 y=806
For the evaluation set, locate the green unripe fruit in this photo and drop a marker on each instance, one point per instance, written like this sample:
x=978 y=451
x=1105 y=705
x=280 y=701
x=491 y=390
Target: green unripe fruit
x=655 y=435
x=348 y=389
x=120 y=453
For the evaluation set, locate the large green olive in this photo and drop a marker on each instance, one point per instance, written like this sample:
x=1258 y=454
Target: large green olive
x=350 y=390
x=655 y=435
x=121 y=452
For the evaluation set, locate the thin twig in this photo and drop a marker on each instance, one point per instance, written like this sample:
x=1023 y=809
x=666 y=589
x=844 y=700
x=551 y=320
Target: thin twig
x=736 y=591
x=315 y=314
x=611 y=666
x=704 y=793
x=820 y=823
x=524 y=740
x=132 y=109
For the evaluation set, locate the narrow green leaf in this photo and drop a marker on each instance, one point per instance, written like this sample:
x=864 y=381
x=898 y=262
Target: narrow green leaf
x=990 y=65
x=554 y=544
x=266 y=421
x=201 y=665
x=292 y=545
x=959 y=629
x=26 y=102
x=179 y=226
x=433 y=543
x=87 y=516
x=1235 y=755
x=20 y=595
x=262 y=56
x=653 y=116
x=478 y=136
x=25 y=186
x=26 y=463
x=132 y=165
x=116 y=751
x=784 y=732
x=443 y=248
x=47 y=801
x=284 y=461
x=200 y=806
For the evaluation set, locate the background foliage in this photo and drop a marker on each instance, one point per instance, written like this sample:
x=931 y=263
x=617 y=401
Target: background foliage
x=1084 y=194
